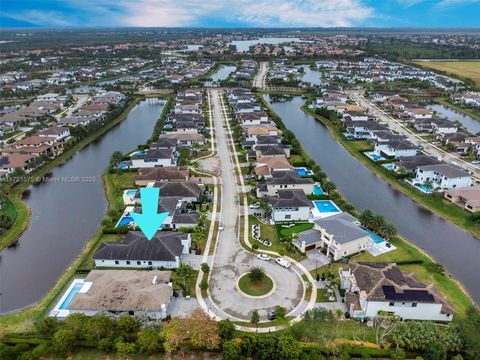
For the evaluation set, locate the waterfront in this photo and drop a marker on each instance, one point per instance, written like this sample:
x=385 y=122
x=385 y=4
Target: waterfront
x=447 y=243
x=469 y=123
x=66 y=212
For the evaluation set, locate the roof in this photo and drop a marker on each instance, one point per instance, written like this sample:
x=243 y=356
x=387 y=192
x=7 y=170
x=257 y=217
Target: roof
x=154 y=154
x=310 y=237
x=124 y=290
x=164 y=246
x=287 y=177
x=12 y=161
x=162 y=174
x=448 y=170
x=343 y=227
x=412 y=162
x=385 y=282
x=176 y=188
x=289 y=198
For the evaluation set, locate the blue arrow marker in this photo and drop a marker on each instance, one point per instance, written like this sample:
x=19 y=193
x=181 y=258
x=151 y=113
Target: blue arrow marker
x=149 y=220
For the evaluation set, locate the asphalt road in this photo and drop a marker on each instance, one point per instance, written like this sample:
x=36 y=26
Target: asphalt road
x=259 y=81
x=231 y=260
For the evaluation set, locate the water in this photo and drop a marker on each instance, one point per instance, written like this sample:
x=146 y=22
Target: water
x=65 y=215
x=244 y=45
x=326 y=206
x=469 y=123
x=311 y=76
x=223 y=72
x=76 y=288
x=448 y=244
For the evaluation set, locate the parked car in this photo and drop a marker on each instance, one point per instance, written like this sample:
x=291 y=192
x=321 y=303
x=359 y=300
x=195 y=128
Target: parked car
x=263 y=257
x=221 y=227
x=271 y=315
x=476 y=162
x=255 y=206
x=282 y=262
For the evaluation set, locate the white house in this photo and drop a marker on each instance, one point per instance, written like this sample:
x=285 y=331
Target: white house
x=381 y=287
x=154 y=158
x=289 y=205
x=283 y=180
x=395 y=149
x=443 y=176
x=164 y=250
x=340 y=235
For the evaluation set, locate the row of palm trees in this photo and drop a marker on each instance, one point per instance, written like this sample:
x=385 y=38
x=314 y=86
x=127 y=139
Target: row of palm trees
x=378 y=224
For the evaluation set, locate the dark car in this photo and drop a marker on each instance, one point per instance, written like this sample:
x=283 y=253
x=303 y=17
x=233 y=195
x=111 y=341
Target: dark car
x=272 y=315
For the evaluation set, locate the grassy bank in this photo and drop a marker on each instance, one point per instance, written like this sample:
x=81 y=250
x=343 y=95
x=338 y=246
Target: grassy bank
x=434 y=203
x=23 y=211
x=474 y=113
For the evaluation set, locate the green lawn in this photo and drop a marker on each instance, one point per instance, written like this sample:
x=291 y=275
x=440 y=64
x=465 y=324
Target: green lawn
x=298 y=228
x=8 y=208
x=270 y=232
x=255 y=288
x=322 y=295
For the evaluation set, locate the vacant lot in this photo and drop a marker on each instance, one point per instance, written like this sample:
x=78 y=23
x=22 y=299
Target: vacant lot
x=466 y=69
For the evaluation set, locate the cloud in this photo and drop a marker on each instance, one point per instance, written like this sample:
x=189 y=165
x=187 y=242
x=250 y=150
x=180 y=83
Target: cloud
x=455 y=3
x=181 y=13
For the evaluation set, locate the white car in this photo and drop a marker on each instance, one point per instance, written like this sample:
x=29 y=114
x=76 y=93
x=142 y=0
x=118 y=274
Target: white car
x=476 y=162
x=255 y=206
x=263 y=257
x=221 y=227
x=282 y=262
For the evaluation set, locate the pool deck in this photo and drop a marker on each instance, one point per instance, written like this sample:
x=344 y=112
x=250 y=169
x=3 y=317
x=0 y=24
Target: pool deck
x=128 y=199
x=63 y=313
x=317 y=214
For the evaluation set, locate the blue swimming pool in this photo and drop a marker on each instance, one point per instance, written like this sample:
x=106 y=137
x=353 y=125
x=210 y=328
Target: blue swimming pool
x=75 y=289
x=131 y=192
x=326 y=206
x=303 y=171
x=375 y=237
x=373 y=156
x=125 y=221
x=317 y=190
x=122 y=165
x=425 y=189
x=389 y=166
x=139 y=153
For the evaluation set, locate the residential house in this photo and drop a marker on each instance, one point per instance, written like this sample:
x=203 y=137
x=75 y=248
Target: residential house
x=443 y=176
x=173 y=173
x=154 y=158
x=395 y=149
x=289 y=205
x=372 y=288
x=282 y=180
x=467 y=198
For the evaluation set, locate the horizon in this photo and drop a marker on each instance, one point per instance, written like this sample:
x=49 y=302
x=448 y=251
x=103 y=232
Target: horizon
x=245 y=14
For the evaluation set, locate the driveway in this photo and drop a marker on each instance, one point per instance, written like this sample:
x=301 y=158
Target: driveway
x=231 y=260
x=314 y=260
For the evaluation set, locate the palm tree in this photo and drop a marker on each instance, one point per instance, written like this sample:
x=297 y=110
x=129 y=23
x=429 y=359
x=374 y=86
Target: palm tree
x=186 y=273
x=267 y=209
x=378 y=221
x=256 y=274
x=366 y=217
x=388 y=230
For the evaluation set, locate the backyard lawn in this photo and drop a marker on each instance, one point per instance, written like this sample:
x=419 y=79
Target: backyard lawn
x=297 y=228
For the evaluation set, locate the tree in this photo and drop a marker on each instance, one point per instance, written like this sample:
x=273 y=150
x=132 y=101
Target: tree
x=382 y=326
x=435 y=350
x=48 y=326
x=288 y=348
x=266 y=348
x=366 y=218
x=127 y=327
x=150 y=342
x=328 y=186
x=186 y=273
x=256 y=274
x=116 y=157
x=398 y=354
x=280 y=312
x=248 y=344
x=378 y=222
x=388 y=230
x=204 y=284
x=266 y=208
x=468 y=328
x=230 y=351
x=205 y=268
x=124 y=348
x=63 y=342
x=98 y=327
x=255 y=317
x=226 y=329
x=196 y=331
x=76 y=323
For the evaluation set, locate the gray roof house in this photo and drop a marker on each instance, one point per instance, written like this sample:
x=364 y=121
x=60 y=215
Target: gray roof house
x=289 y=205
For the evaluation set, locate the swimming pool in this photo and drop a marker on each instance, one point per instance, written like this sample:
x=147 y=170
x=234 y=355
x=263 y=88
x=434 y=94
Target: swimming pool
x=326 y=206
x=375 y=237
x=374 y=156
x=303 y=171
x=131 y=192
x=424 y=189
x=73 y=291
x=125 y=220
x=317 y=190
x=122 y=165
x=389 y=167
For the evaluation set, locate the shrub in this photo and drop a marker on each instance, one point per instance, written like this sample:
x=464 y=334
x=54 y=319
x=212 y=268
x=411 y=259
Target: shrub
x=226 y=329
x=256 y=274
x=63 y=342
x=204 y=284
x=231 y=351
x=205 y=268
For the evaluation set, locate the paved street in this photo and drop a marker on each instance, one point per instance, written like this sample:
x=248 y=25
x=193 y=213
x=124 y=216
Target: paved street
x=231 y=260
x=398 y=127
x=259 y=81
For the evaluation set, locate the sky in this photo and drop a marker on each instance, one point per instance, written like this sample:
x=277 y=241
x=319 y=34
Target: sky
x=239 y=13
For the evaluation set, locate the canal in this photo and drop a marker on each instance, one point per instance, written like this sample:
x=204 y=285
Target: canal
x=310 y=76
x=448 y=244
x=468 y=122
x=66 y=211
